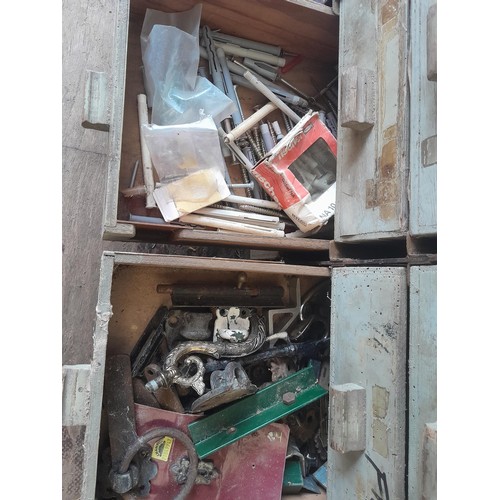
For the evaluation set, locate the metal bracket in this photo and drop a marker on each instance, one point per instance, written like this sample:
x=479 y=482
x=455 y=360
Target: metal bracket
x=226 y=385
x=293 y=311
x=254 y=412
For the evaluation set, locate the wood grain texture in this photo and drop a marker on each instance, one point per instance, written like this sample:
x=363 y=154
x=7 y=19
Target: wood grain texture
x=422 y=371
x=299 y=27
x=423 y=132
x=86 y=44
x=368 y=348
x=83 y=191
x=372 y=165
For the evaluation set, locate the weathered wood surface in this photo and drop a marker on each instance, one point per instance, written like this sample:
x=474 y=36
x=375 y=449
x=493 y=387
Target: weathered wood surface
x=368 y=348
x=423 y=132
x=87 y=44
x=372 y=163
x=88 y=38
x=348 y=418
x=74 y=420
x=302 y=27
x=422 y=374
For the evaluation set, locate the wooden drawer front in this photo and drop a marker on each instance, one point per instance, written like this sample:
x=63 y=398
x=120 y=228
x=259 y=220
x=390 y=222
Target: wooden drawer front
x=422 y=431
x=368 y=350
x=373 y=121
x=423 y=131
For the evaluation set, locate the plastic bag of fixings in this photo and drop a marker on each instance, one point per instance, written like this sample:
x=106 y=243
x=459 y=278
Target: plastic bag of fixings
x=189 y=164
x=299 y=173
x=170 y=54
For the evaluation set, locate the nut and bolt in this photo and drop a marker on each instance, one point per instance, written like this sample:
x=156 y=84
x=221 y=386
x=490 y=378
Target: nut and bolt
x=288 y=398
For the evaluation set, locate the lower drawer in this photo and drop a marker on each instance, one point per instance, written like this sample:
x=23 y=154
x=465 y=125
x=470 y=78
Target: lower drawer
x=277 y=414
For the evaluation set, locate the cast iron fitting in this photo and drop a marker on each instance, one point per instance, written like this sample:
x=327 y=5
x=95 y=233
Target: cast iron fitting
x=160 y=432
x=163 y=379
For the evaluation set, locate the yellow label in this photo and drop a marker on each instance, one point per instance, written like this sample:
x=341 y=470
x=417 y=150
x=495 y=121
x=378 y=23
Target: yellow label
x=161 y=449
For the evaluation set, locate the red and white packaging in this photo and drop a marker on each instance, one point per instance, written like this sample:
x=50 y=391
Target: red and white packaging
x=299 y=173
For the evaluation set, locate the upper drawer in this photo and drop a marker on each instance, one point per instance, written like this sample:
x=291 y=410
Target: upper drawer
x=308 y=29
x=367 y=97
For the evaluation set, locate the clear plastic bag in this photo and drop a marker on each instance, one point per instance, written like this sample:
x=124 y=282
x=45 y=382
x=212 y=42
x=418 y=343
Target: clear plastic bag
x=171 y=55
x=189 y=164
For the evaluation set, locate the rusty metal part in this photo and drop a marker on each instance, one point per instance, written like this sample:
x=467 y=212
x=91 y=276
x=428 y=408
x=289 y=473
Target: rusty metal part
x=171 y=370
x=222 y=296
x=205 y=475
x=278 y=368
x=232 y=324
x=167 y=397
x=304 y=423
x=147 y=346
x=142 y=441
x=189 y=325
x=227 y=385
x=142 y=396
x=263 y=211
x=129 y=473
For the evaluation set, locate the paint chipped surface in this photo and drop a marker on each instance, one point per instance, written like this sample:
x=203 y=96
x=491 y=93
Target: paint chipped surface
x=380 y=401
x=389 y=11
x=384 y=191
x=380 y=437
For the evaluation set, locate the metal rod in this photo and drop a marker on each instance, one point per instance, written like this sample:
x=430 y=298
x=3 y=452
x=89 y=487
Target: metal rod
x=147 y=165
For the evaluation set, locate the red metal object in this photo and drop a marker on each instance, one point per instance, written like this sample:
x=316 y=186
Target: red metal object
x=291 y=64
x=252 y=467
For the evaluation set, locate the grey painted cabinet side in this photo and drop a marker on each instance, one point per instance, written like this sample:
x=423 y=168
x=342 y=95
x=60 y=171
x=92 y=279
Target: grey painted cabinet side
x=368 y=349
x=423 y=131
x=372 y=164
x=422 y=382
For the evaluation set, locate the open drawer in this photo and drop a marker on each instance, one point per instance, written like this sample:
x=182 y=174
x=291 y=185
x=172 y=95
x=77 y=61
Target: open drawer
x=362 y=51
x=342 y=399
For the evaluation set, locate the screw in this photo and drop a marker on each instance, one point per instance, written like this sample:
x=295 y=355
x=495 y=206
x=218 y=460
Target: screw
x=173 y=320
x=288 y=398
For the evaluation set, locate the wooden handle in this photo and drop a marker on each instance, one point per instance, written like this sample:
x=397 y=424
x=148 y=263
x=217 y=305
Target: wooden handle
x=95 y=106
x=348 y=418
x=357 y=92
x=247 y=124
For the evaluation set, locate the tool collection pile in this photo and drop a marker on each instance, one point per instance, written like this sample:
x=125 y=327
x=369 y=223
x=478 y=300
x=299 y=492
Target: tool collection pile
x=223 y=391
x=222 y=162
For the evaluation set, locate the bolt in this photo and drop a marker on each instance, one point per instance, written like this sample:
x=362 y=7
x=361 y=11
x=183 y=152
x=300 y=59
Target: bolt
x=288 y=398
x=155 y=384
x=231 y=430
x=173 y=320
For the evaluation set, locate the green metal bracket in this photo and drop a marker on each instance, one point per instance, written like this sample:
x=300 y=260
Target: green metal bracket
x=267 y=405
x=292 y=478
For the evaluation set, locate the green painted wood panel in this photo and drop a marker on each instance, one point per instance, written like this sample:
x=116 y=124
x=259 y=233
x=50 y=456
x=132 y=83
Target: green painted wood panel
x=368 y=348
x=422 y=375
